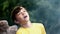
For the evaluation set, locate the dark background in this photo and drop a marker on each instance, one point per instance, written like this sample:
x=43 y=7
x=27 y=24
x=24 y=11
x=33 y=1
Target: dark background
x=42 y=11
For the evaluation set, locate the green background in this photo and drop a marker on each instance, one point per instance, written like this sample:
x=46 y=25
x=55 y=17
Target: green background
x=42 y=11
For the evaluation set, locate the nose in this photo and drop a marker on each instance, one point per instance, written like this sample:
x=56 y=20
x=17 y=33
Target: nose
x=22 y=13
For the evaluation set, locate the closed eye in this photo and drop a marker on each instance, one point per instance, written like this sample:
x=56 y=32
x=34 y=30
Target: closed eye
x=24 y=11
x=18 y=14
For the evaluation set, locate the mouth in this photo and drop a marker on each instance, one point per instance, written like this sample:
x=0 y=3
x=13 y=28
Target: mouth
x=25 y=16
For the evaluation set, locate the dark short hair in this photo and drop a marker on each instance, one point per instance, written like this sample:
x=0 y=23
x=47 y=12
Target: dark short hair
x=15 y=11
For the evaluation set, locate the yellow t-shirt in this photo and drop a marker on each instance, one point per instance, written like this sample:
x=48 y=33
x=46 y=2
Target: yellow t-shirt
x=37 y=28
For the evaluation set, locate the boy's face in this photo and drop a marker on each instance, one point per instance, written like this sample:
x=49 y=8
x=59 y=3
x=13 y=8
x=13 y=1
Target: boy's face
x=23 y=15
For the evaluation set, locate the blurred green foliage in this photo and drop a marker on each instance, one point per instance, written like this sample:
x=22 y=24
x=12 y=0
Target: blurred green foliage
x=6 y=6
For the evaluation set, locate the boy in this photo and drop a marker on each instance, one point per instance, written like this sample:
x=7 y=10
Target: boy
x=20 y=16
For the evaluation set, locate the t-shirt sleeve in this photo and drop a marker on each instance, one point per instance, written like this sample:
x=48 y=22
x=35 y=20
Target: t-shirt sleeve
x=18 y=33
x=43 y=31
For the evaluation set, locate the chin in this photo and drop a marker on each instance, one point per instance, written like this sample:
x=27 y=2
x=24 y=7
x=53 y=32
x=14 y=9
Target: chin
x=26 y=19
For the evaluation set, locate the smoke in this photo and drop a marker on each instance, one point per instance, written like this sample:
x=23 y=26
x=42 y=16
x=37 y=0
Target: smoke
x=47 y=12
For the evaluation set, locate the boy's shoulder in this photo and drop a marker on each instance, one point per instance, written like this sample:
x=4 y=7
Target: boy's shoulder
x=38 y=24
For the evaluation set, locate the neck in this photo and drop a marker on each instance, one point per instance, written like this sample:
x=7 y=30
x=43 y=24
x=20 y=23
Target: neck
x=27 y=24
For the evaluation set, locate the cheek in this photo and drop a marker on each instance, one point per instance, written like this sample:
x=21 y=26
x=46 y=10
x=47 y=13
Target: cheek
x=19 y=17
x=28 y=14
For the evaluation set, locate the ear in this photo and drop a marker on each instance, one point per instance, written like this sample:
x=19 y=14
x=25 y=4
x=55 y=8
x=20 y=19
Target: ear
x=16 y=21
